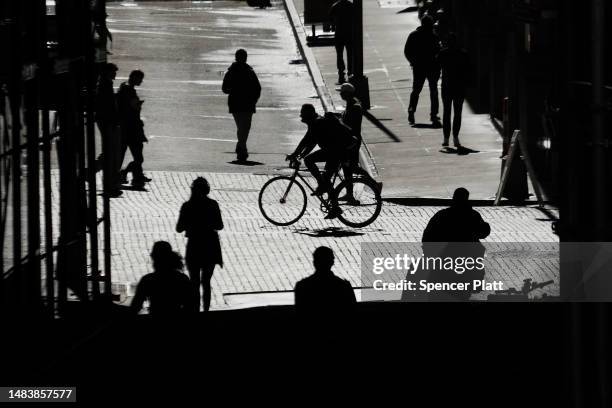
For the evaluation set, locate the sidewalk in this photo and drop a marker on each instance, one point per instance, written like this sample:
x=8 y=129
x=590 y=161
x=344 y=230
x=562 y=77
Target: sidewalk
x=409 y=160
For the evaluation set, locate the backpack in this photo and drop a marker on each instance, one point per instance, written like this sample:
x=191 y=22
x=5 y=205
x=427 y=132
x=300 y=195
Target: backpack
x=338 y=129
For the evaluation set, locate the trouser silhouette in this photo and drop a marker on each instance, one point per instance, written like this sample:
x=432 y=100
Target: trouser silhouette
x=111 y=156
x=243 y=127
x=200 y=273
x=341 y=44
x=419 y=75
x=452 y=101
x=135 y=166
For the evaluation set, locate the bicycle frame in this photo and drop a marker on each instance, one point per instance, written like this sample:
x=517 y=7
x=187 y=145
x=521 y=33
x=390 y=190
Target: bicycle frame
x=296 y=174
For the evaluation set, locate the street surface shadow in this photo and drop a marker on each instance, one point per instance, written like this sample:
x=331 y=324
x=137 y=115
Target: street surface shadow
x=410 y=9
x=459 y=151
x=377 y=122
x=133 y=188
x=426 y=126
x=336 y=232
x=246 y=163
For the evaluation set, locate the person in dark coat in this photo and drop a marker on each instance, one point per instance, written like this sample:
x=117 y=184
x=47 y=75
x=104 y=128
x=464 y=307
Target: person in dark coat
x=200 y=219
x=324 y=292
x=455 y=73
x=455 y=232
x=341 y=16
x=242 y=85
x=168 y=289
x=107 y=118
x=421 y=49
x=132 y=128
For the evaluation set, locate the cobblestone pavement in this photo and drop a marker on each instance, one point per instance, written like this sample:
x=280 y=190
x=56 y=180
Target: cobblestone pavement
x=261 y=257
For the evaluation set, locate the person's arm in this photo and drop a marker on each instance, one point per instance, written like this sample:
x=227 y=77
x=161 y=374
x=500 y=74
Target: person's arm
x=217 y=219
x=181 y=224
x=408 y=49
x=483 y=229
x=305 y=146
x=226 y=87
x=139 y=297
x=256 y=88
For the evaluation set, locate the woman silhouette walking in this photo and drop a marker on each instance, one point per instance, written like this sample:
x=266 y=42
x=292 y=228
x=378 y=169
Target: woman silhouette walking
x=200 y=219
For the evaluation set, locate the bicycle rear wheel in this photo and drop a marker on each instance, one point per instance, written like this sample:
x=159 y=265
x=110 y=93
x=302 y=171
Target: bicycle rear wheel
x=282 y=200
x=365 y=207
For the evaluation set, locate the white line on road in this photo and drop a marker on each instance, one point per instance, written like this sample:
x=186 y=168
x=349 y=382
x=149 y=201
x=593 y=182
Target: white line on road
x=204 y=139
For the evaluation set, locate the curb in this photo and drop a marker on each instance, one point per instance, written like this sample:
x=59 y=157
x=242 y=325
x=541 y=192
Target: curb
x=365 y=157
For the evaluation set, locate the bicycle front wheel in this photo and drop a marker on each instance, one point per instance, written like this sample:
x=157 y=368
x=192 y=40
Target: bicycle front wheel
x=360 y=208
x=282 y=200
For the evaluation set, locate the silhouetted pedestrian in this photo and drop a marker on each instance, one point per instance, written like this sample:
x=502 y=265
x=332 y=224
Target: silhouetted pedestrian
x=200 y=219
x=168 y=289
x=324 y=292
x=455 y=74
x=107 y=118
x=455 y=232
x=341 y=15
x=132 y=128
x=242 y=85
x=351 y=117
x=421 y=49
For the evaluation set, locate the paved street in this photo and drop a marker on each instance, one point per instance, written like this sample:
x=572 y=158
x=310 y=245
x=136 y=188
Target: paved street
x=184 y=48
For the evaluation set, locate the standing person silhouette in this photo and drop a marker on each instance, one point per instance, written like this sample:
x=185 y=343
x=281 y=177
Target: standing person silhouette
x=200 y=219
x=167 y=289
x=341 y=15
x=421 y=49
x=107 y=118
x=455 y=73
x=242 y=85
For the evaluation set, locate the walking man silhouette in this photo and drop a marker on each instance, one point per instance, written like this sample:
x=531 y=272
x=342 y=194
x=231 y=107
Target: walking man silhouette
x=455 y=72
x=200 y=219
x=242 y=85
x=132 y=128
x=421 y=49
x=341 y=15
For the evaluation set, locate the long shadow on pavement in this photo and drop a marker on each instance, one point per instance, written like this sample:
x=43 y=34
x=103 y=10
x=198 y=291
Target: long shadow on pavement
x=376 y=122
x=246 y=163
x=336 y=232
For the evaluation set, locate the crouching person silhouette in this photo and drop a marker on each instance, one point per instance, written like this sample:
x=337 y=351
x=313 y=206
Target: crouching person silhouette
x=168 y=290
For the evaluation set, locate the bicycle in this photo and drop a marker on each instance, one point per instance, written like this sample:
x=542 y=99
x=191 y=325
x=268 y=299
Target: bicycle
x=283 y=200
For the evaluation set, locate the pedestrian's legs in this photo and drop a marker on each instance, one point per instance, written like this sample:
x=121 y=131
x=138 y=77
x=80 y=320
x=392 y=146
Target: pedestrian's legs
x=207 y=273
x=135 y=165
x=418 y=79
x=447 y=102
x=193 y=267
x=458 y=110
x=111 y=149
x=340 y=44
x=349 y=57
x=432 y=77
x=243 y=126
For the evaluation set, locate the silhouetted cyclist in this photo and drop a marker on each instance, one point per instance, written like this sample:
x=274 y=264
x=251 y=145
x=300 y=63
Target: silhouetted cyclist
x=167 y=289
x=336 y=144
